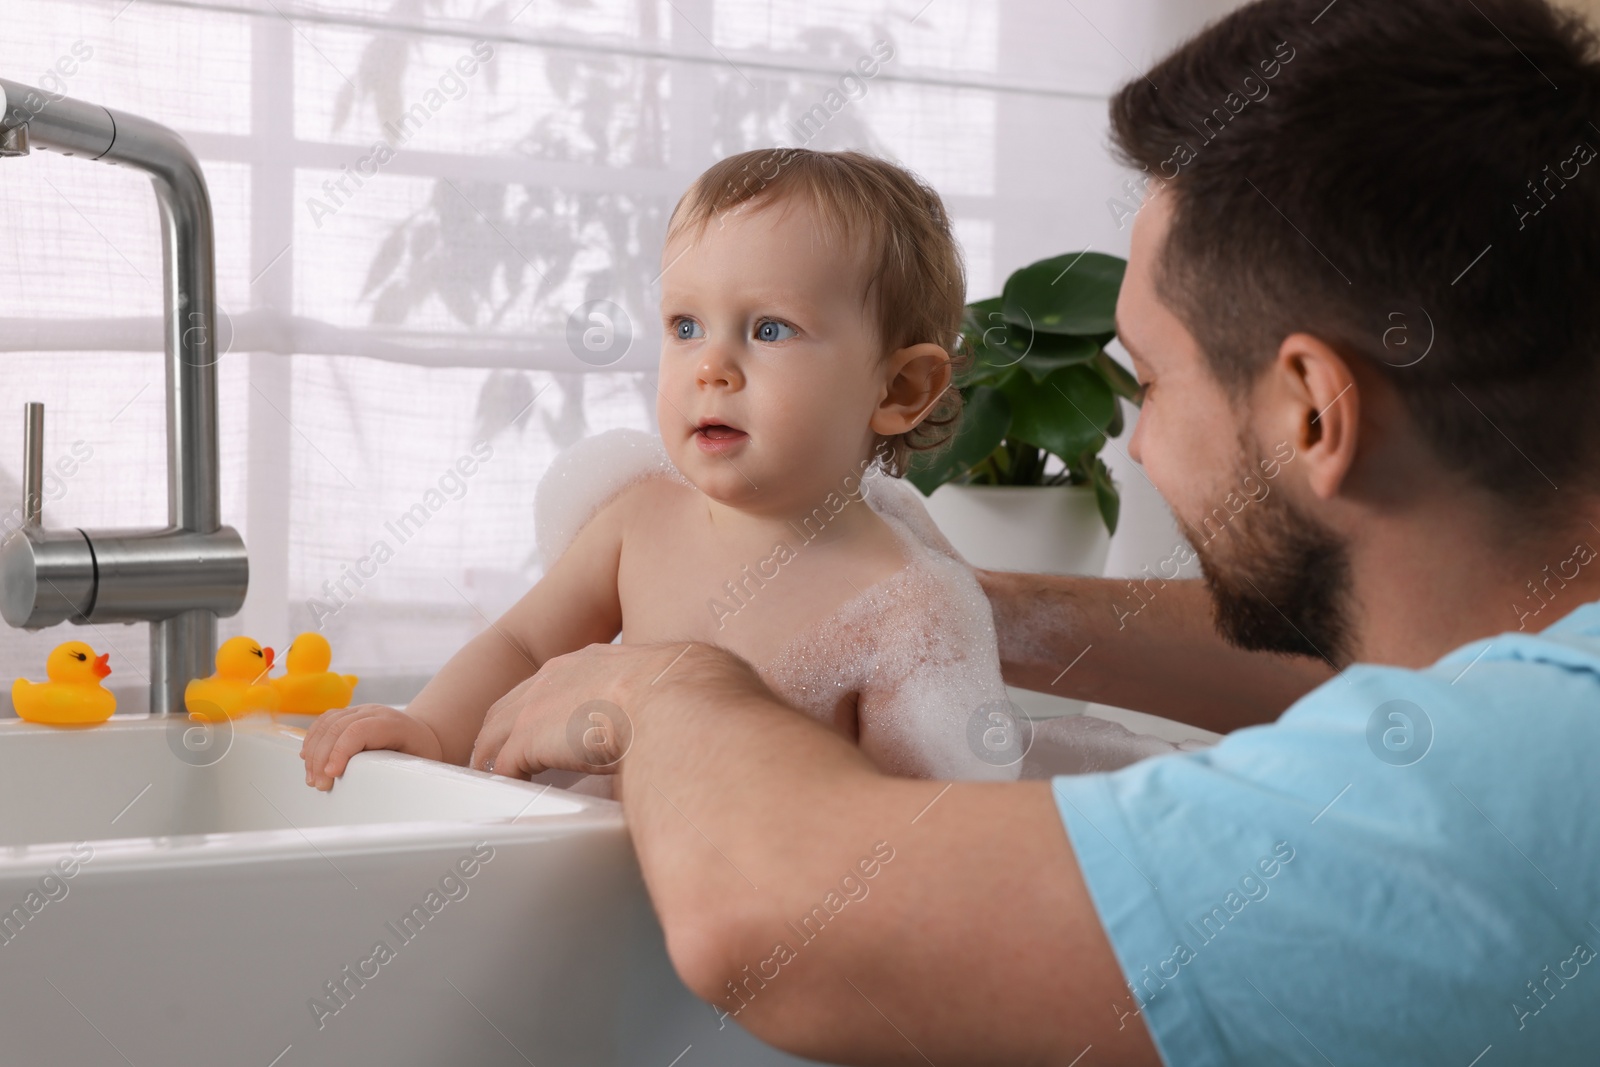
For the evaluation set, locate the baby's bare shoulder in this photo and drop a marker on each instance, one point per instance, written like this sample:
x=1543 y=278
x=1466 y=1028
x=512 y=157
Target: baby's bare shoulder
x=649 y=501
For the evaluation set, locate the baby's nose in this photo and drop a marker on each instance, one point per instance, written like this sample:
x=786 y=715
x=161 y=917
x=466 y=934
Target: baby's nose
x=717 y=369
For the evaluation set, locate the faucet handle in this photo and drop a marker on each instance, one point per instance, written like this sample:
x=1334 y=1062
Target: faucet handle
x=33 y=464
x=46 y=576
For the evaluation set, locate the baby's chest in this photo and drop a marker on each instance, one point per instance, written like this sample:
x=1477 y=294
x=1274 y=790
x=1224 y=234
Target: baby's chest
x=753 y=602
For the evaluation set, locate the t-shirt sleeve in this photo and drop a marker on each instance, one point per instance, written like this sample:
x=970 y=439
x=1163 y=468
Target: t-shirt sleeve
x=1348 y=886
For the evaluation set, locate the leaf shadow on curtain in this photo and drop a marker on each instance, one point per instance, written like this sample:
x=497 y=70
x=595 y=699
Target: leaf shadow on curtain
x=486 y=249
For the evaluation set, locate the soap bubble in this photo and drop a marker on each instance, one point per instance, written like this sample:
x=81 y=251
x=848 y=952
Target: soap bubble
x=599 y=734
x=200 y=737
x=599 y=333
x=1399 y=733
x=998 y=733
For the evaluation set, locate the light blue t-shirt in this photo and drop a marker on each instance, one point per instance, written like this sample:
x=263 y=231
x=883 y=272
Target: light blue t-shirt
x=1403 y=869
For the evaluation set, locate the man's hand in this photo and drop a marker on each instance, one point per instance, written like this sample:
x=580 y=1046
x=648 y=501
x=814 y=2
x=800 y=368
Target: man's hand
x=579 y=712
x=338 y=735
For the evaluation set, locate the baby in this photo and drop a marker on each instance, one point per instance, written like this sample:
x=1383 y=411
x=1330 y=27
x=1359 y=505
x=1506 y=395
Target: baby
x=811 y=304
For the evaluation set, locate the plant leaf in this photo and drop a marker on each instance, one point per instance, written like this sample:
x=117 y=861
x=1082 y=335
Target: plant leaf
x=997 y=346
x=984 y=333
x=1050 y=352
x=1106 y=494
x=1117 y=376
x=984 y=323
x=984 y=420
x=1066 y=414
x=1074 y=294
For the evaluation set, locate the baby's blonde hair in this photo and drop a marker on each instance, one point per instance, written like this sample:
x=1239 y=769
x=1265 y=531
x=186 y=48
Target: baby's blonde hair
x=916 y=275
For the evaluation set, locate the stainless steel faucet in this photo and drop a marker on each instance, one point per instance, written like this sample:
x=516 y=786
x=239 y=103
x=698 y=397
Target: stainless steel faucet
x=182 y=577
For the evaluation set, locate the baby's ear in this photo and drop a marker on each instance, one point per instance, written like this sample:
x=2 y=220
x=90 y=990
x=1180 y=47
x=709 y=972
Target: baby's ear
x=914 y=378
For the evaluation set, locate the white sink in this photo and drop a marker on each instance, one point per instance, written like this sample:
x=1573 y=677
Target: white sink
x=171 y=896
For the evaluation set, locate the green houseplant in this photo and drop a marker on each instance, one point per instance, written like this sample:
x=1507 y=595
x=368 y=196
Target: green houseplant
x=1040 y=383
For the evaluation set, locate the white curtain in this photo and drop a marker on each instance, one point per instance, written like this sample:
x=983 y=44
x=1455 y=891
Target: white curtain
x=399 y=315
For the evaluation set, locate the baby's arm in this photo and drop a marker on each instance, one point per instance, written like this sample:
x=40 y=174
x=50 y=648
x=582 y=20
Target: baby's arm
x=935 y=706
x=575 y=604
x=924 y=731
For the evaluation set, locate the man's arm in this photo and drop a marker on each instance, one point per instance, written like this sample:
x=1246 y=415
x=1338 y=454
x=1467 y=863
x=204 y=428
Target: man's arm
x=856 y=918
x=1157 y=651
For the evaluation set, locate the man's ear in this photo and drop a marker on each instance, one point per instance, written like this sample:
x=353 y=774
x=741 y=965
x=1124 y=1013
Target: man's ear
x=914 y=379
x=1314 y=402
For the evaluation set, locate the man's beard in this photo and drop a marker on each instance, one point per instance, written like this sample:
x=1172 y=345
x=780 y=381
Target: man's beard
x=1282 y=582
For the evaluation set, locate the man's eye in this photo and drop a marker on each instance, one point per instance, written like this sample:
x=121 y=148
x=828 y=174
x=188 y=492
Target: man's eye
x=772 y=330
x=687 y=330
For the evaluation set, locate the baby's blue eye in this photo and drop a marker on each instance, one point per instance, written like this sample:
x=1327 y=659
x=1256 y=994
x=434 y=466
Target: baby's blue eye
x=688 y=330
x=771 y=330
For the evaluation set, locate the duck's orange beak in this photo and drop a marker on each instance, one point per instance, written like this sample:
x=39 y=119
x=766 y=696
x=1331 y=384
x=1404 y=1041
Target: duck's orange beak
x=102 y=666
x=266 y=653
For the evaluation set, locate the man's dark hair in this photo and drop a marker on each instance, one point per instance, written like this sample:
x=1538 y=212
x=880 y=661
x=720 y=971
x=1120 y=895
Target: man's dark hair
x=1380 y=173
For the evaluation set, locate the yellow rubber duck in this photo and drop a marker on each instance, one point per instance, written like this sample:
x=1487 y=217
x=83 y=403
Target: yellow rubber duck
x=308 y=687
x=238 y=688
x=73 y=696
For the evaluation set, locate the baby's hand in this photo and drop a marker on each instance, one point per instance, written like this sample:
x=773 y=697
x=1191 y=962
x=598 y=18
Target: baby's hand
x=338 y=735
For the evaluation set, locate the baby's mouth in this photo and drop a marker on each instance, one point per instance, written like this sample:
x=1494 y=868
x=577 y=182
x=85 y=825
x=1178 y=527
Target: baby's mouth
x=716 y=431
x=719 y=435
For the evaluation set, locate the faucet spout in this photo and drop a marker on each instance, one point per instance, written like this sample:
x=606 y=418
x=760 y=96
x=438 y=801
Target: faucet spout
x=182 y=577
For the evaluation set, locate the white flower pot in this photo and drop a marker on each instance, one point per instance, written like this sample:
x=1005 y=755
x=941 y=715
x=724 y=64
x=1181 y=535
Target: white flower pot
x=1054 y=529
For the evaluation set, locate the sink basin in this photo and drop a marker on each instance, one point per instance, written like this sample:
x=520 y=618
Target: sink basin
x=174 y=894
